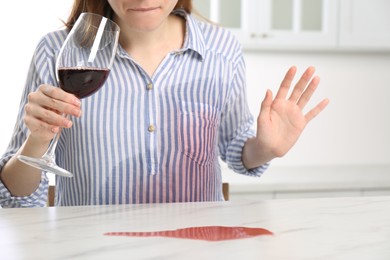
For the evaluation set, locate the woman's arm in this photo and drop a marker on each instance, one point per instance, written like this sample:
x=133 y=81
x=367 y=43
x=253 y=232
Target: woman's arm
x=43 y=117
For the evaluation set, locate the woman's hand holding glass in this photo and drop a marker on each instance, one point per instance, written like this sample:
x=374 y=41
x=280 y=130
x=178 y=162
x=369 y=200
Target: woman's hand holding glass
x=46 y=110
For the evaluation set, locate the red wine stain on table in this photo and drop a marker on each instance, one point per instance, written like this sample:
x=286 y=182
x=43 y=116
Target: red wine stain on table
x=208 y=233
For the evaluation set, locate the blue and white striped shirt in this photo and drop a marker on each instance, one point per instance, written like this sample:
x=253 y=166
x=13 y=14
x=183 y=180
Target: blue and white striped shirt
x=145 y=139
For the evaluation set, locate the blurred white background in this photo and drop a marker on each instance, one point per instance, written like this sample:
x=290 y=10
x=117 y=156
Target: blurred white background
x=353 y=130
x=23 y=23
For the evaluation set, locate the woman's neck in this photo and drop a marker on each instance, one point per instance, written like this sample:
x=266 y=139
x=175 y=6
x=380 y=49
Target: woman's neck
x=169 y=35
x=148 y=49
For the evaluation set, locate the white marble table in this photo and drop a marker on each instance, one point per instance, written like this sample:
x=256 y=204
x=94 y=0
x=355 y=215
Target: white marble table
x=334 y=228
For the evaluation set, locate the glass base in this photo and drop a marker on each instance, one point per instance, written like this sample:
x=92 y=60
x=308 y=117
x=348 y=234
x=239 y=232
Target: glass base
x=45 y=165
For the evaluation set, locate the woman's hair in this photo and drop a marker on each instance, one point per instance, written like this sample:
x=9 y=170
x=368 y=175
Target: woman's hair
x=102 y=7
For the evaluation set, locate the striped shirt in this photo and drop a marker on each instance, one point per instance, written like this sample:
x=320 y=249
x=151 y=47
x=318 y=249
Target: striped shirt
x=145 y=139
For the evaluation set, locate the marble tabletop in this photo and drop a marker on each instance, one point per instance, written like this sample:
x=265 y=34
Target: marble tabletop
x=323 y=228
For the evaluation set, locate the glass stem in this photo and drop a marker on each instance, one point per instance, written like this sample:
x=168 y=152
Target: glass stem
x=50 y=153
x=53 y=144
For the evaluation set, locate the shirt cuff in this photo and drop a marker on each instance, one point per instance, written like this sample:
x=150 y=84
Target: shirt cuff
x=234 y=157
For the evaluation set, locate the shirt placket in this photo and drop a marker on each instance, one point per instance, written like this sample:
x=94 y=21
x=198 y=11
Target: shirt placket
x=152 y=128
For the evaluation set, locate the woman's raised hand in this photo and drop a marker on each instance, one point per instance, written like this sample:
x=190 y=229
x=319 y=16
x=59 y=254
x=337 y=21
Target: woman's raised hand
x=281 y=119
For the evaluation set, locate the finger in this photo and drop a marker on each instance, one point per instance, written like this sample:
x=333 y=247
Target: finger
x=265 y=111
x=301 y=84
x=56 y=99
x=59 y=94
x=266 y=103
x=39 y=127
x=316 y=110
x=286 y=83
x=305 y=97
x=47 y=116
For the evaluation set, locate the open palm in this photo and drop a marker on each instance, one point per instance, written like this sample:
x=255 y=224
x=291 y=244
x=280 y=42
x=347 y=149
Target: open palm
x=281 y=120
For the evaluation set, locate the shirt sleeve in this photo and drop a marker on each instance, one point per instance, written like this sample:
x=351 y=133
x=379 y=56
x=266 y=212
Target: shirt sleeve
x=237 y=122
x=37 y=199
x=41 y=71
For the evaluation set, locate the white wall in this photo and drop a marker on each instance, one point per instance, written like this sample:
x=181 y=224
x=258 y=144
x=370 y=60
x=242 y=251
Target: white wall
x=22 y=23
x=354 y=129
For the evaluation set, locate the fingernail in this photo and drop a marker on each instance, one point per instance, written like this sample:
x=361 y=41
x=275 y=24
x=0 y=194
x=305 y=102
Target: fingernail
x=77 y=102
x=76 y=112
x=68 y=124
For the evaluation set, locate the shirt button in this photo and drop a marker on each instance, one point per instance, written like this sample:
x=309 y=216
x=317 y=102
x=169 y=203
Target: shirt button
x=149 y=86
x=151 y=128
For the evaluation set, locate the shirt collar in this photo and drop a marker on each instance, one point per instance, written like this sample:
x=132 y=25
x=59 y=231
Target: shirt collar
x=194 y=38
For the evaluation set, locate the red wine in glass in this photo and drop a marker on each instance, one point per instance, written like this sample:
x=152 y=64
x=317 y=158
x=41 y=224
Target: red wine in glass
x=82 y=82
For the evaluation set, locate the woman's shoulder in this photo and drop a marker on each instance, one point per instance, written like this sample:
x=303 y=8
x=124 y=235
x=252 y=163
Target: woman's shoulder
x=219 y=39
x=52 y=40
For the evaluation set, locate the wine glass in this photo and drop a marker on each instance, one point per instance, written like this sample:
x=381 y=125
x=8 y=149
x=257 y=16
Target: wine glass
x=82 y=67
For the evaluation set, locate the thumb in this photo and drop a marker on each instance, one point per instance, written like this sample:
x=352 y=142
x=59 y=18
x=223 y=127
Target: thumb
x=265 y=108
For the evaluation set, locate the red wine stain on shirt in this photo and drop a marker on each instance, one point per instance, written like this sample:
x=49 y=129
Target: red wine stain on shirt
x=208 y=233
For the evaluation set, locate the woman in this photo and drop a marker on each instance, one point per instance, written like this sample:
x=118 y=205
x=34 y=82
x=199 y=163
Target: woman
x=175 y=100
